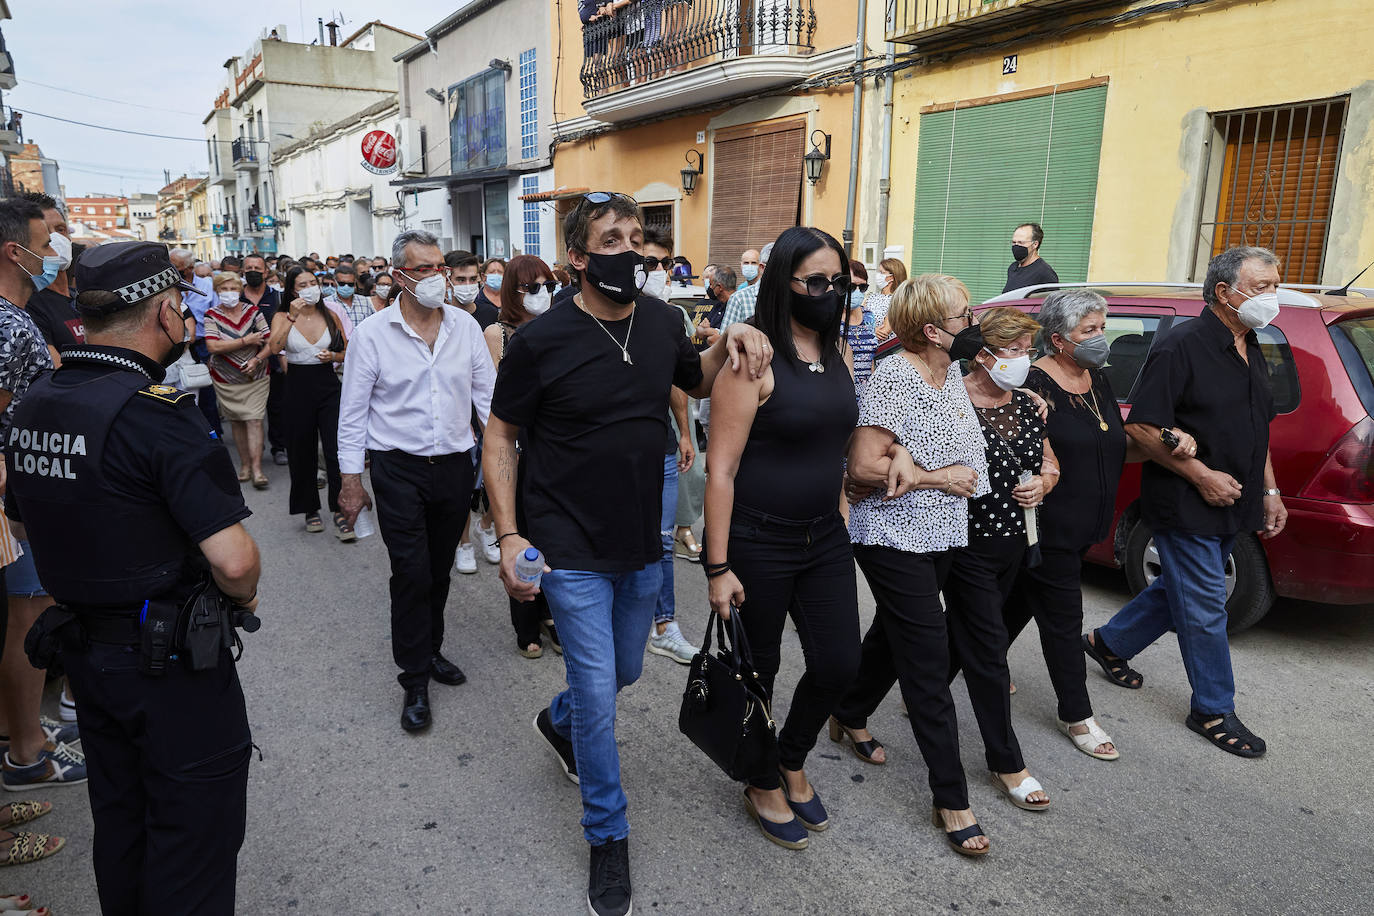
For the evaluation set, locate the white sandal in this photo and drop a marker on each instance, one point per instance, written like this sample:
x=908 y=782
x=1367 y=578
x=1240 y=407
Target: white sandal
x=1019 y=794
x=1089 y=742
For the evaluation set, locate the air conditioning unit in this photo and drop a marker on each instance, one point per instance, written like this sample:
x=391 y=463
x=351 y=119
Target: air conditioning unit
x=410 y=141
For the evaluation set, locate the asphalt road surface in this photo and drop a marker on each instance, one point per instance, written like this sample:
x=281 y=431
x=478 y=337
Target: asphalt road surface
x=350 y=815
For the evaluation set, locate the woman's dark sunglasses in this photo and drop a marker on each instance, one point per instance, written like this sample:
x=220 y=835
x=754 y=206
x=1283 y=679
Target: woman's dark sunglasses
x=819 y=284
x=861 y=287
x=665 y=263
x=536 y=287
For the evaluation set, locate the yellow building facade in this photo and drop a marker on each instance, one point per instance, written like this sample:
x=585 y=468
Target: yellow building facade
x=661 y=87
x=1143 y=136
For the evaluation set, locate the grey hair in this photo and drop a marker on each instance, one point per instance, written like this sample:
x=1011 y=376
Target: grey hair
x=184 y=254
x=1225 y=268
x=412 y=236
x=725 y=276
x=1063 y=309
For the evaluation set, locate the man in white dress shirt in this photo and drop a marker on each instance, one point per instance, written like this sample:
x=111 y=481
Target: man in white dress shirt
x=413 y=376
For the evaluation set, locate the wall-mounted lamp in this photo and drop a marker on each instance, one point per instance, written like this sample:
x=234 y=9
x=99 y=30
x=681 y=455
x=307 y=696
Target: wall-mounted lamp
x=497 y=64
x=689 y=174
x=815 y=160
x=435 y=94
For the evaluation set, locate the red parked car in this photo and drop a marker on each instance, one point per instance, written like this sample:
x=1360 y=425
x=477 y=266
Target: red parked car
x=1320 y=352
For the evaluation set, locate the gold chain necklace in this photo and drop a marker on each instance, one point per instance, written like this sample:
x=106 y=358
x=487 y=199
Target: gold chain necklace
x=1094 y=408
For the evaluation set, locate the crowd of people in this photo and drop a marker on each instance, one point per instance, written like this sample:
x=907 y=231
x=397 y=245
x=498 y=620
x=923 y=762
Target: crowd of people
x=572 y=416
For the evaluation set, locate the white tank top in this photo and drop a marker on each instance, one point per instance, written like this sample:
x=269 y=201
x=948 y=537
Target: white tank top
x=301 y=352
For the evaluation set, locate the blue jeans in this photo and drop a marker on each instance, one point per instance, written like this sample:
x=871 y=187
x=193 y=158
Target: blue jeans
x=667 y=603
x=1190 y=596
x=603 y=620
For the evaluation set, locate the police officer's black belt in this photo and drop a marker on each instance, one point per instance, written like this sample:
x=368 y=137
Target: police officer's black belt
x=119 y=631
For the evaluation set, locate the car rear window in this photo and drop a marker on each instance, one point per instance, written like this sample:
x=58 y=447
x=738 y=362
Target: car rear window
x=1358 y=354
x=1283 y=369
x=1130 y=337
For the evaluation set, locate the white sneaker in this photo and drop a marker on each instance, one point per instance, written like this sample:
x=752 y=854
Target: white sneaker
x=466 y=559
x=670 y=644
x=489 y=545
x=66 y=707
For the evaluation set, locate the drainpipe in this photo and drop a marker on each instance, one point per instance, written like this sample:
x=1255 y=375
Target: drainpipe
x=854 y=131
x=885 y=157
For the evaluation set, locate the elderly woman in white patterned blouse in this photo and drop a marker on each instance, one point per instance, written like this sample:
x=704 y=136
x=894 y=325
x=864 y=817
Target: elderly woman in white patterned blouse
x=904 y=544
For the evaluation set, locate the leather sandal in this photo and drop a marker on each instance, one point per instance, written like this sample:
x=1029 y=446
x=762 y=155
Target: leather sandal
x=1019 y=794
x=1091 y=740
x=956 y=838
x=260 y=482
x=342 y=529
x=864 y=750
x=21 y=812
x=1229 y=734
x=1115 y=667
x=791 y=835
x=24 y=848
x=21 y=904
x=685 y=546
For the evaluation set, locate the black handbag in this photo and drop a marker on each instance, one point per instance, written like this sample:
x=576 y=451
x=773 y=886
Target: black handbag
x=725 y=709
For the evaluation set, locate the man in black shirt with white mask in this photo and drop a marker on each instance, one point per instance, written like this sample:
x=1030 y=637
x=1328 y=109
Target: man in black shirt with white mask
x=1207 y=377
x=586 y=386
x=1027 y=267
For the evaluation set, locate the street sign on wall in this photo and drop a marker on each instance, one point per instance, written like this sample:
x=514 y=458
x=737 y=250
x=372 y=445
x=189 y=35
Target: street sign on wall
x=379 y=152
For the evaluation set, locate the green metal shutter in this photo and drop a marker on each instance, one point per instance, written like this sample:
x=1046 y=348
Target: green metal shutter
x=982 y=171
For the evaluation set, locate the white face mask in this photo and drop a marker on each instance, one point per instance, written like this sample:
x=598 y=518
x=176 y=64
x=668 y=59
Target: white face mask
x=538 y=303
x=276 y=286
x=381 y=292
x=883 y=281
x=229 y=298
x=466 y=293
x=63 y=246
x=656 y=284
x=310 y=295
x=1257 y=311
x=1008 y=373
x=431 y=291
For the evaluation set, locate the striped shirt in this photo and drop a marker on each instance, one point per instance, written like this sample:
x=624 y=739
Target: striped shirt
x=227 y=368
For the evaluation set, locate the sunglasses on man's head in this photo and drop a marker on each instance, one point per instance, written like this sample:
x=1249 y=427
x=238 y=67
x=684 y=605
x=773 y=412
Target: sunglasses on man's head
x=536 y=287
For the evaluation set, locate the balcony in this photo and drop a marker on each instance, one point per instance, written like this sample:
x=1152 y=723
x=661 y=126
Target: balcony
x=245 y=158
x=10 y=142
x=951 y=24
x=655 y=56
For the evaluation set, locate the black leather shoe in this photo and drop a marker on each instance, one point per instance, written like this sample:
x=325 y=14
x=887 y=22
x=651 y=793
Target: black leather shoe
x=415 y=713
x=445 y=671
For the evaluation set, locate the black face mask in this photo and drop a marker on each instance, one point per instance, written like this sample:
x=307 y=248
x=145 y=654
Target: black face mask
x=967 y=343
x=819 y=313
x=174 y=354
x=619 y=277
x=1019 y=253
x=252 y=277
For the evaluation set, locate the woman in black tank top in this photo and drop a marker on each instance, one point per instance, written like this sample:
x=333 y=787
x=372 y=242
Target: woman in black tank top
x=775 y=541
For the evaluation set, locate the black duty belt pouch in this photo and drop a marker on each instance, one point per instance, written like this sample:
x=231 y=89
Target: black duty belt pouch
x=44 y=639
x=192 y=632
x=725 y=707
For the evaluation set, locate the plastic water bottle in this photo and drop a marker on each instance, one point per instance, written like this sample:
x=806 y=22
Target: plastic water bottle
x=529 y=566
x=363 y=526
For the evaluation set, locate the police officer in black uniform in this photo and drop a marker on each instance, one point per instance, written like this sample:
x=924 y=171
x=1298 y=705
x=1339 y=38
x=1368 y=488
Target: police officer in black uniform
x=134 y=511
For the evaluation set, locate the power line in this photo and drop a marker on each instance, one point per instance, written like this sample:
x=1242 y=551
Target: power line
x=117 y=130
x=32 y=82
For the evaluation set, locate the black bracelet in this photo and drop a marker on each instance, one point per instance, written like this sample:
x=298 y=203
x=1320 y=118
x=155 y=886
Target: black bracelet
x=711 y=566
x=508 y=534
x=719 y=570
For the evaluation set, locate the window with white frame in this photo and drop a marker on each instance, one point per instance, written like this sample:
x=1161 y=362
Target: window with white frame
x=529 y=121
x=530 y=185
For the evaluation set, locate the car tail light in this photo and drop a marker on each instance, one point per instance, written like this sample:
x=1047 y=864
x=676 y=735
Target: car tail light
x=1347 y=474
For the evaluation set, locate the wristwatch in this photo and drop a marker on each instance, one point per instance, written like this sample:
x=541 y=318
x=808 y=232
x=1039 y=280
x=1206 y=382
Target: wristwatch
x=1273 y=491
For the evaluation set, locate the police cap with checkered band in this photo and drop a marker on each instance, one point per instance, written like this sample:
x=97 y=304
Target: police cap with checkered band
x=130 y=271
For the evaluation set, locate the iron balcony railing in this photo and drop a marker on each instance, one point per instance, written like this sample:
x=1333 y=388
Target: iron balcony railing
x=934 y=22
x=243 y=150
x=650 y=38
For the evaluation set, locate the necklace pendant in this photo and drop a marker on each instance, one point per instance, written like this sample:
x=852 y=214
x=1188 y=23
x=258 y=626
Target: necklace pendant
x=816 y=366
x=625 y=355
x=1104 y=426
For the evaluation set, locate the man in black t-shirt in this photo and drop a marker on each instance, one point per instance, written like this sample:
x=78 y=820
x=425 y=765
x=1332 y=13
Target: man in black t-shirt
x=587 y=386
x=1027 y=267
x=53 y=308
